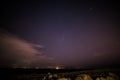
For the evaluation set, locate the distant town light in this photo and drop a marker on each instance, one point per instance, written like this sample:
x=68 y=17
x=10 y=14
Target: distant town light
x=57 y=67
x=36 y=67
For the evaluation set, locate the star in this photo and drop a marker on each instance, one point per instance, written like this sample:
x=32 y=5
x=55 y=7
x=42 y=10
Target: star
x=90 y=8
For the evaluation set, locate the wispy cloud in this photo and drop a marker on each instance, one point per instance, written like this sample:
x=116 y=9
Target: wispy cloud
x=17 y=52
x=37 y=45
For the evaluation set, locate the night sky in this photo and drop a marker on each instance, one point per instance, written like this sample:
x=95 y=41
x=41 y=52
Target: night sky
x=65 y=33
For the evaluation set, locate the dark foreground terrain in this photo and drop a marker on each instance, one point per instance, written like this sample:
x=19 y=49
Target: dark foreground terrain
x=61 y=74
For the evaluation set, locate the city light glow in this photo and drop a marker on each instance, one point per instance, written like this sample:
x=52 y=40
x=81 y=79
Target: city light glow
x=57 y=67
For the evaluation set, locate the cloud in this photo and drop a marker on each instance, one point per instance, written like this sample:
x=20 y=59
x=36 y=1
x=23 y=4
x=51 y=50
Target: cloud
x=19 y=53
x=37 y=45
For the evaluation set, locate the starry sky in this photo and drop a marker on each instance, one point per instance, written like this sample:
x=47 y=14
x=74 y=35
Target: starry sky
x=67 y=33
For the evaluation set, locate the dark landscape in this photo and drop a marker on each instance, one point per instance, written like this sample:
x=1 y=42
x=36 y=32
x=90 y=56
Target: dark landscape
x=68 y=74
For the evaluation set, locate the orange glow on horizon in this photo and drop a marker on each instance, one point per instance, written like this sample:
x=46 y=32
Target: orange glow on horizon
x=57 y=67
